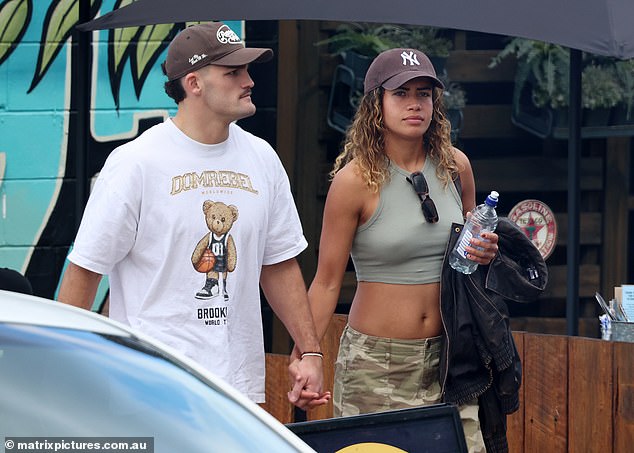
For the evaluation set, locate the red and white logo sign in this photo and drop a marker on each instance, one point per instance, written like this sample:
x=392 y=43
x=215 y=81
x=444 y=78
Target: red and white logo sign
x=538 y=223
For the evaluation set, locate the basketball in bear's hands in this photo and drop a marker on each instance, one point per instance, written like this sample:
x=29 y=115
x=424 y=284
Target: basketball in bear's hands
x=206 y=262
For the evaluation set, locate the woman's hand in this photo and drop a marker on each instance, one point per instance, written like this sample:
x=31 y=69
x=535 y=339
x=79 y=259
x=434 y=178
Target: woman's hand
x=482 y=250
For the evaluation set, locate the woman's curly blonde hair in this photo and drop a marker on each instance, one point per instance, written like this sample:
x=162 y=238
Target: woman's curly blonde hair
x=365 y=143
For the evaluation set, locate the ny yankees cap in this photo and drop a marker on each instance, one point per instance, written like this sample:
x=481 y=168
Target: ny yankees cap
x=209 y=43
x=392 y=68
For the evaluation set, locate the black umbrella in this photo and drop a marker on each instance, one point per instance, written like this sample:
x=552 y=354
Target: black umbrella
x=601 y=27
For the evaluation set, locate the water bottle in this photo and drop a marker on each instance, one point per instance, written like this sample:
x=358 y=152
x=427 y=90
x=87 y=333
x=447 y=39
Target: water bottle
x=483 y=218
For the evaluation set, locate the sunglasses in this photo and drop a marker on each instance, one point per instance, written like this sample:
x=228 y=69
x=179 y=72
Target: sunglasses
x=419 y=183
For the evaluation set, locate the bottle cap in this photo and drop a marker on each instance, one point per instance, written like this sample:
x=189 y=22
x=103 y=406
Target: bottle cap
x=492 y=199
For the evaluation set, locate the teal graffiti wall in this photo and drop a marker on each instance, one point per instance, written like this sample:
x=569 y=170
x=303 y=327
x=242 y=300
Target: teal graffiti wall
x=40 y=117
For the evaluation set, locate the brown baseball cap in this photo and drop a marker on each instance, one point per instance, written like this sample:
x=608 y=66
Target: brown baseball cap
x=209 y=43
x=392 y=68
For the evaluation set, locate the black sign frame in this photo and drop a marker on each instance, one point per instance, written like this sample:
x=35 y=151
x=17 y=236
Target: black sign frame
x=435 y=428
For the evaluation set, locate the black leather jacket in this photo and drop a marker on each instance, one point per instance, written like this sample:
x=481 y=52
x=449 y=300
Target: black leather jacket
x=479 y=358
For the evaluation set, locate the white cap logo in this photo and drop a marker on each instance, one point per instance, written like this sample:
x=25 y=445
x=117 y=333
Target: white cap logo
x=409 y=57
x=196 y=58
x=226 y=35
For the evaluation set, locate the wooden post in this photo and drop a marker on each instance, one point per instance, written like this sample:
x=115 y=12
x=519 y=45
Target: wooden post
x=288 y=67
x=309 y=117
x=287 y=74
x=297 y=137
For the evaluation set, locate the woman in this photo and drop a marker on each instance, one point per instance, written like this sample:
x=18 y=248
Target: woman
x=392 y=201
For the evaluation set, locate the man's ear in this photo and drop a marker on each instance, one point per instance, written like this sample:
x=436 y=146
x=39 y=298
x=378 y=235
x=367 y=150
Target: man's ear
x=191 y=83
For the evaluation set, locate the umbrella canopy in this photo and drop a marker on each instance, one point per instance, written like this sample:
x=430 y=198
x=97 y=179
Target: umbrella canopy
x=601 y=27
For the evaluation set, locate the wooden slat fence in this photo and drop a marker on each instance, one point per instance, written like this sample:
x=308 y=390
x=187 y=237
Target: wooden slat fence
x=577 y=393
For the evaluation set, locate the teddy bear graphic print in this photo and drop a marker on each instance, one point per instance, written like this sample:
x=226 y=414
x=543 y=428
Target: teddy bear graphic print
x=215 y=256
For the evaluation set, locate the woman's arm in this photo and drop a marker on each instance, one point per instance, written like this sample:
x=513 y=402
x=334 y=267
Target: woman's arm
x=484 y=249
x=467 y=181
x=347 y=197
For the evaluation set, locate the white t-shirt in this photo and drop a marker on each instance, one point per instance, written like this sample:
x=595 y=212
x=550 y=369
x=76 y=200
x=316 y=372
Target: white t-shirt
x=144 y=219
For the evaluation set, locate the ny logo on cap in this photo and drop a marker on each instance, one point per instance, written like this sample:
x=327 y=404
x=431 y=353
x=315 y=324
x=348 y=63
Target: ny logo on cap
x=411 y=57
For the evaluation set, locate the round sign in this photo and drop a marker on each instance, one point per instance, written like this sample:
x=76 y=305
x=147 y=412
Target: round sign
x=538 y=223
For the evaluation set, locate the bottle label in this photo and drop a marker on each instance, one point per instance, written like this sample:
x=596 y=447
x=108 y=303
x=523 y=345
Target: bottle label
x=464 y=242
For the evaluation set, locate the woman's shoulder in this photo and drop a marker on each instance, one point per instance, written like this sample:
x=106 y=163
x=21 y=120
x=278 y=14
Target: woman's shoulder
x=349 y=193
x=349 y=184
x=350 y=177
x=459 y=155
x=461 y=159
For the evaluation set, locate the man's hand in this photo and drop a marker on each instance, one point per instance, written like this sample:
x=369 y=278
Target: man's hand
x=306 y=381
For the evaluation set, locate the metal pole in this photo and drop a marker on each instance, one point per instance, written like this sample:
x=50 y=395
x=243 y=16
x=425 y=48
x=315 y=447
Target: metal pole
x=80 y=69
x=574 y=160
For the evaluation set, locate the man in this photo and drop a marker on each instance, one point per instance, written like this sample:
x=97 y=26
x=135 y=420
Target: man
x=190 y=216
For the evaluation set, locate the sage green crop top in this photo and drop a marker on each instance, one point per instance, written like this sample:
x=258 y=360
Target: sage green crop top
x=396 y=244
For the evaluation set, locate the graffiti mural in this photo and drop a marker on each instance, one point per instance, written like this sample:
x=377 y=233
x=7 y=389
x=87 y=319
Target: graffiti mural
x=41 y=116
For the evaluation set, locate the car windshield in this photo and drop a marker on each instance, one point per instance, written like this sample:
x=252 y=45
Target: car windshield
x=61 y=382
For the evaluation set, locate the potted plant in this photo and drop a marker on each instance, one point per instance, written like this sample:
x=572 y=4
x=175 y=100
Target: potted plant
x=358 y=43
x=542 y=75
x=542 y=78
x=600 y=92
x=368 y=40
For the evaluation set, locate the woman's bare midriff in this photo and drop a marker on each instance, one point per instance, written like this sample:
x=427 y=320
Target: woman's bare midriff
x=396 y=311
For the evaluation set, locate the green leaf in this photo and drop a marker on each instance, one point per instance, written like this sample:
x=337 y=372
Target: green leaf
x=15 y=16
x=152 y=40
x=121 y=43
x=119 y=49
x=61 y=17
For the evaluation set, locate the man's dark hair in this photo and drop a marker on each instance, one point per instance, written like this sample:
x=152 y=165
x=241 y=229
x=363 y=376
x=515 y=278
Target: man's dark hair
x=175 y=90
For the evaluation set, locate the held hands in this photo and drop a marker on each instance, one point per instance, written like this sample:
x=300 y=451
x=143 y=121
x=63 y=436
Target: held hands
x=306 y=377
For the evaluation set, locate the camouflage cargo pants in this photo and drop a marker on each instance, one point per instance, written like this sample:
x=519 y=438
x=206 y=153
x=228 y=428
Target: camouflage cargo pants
x=374 y=374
